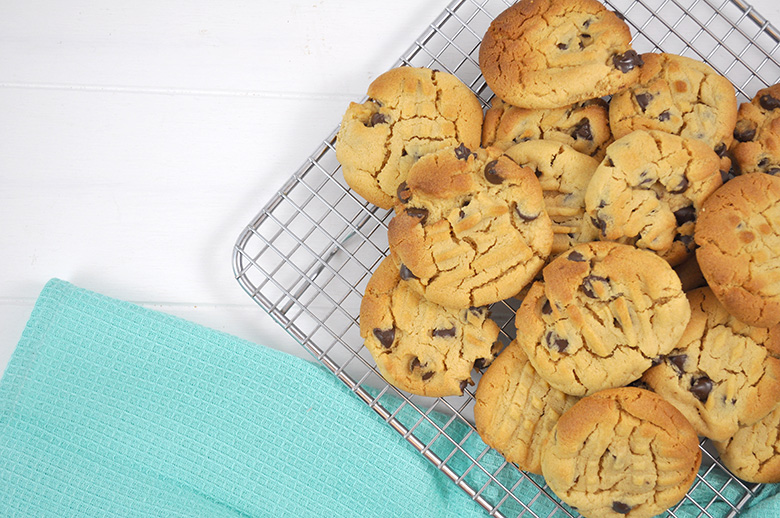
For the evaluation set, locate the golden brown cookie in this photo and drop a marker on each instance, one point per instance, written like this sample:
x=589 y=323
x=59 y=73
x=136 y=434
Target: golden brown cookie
x=419 y=346
x=621 y=452
x=564 y=175
x=548 y=54
x=738 y=234
x=584 y=126
x=649 y=189
x=470 y=227
x=410 y=112
x=515 y=409
x=756 y=147
x=722 y=374
x=678 y=95
x=600 y=318
x=753 y=453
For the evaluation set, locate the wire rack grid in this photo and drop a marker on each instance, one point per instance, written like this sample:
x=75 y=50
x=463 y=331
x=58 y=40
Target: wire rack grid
x=308 y=254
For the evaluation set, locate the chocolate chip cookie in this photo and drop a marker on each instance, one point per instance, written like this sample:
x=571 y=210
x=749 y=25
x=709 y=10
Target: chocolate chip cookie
x=723 y=373
x=584 y=126
x=515 y=409
x=649 y=189
x=623 y=451
x=470 y=227
x=603 y=314
x=756 y=147
x=419 y=346
x=738 y=235
x=678 y=95
x=409 y=112
x=753 y=453
x=564 y=175
x=549 y=54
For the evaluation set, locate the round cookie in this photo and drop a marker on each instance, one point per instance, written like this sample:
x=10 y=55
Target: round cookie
x=756 y=147
x=722 y=374
x=604 y=313
x=738 y=235
x=419 y=346
x=410 y=112
x=621 y=452
x=564 y=175
x=515 y=409
x=753 y=453
x=470 y=227
x=584 y=126
x=649 y=190
x=548 y=54
x=678 y=95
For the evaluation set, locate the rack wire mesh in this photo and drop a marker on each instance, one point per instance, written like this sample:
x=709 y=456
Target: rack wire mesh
x=308 y=254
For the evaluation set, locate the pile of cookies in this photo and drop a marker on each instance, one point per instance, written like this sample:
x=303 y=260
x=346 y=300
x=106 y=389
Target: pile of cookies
x=631 y=205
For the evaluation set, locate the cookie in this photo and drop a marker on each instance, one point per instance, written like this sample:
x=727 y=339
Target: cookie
x=619 y=452
x=549 y=54
x=603 y=314
x=649 y=189
x=515 y=409
x=470 y=227
x=410 y=112
x=722 y=374
x=753 y=453
x=756 y=147
x=739 y=247
x=564 y=175
x=678 y=95
x=419 y=346
x=583 y=126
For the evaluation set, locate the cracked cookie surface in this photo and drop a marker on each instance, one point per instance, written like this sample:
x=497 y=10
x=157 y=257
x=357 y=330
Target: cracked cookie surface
x=723 y=374
x=738 y=234
x=649 y=189
x=422 y=347
x=410 y=112
x=470 y=227
x=678 y=95
x=756 y=147
x=753 y=453
x=602 y=315
x=584 y=126
x=564 y=175
x=548 y=54
x=515 y=409
x=622 y=451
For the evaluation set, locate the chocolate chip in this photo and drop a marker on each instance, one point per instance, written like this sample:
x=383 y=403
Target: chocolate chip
x=664 y=116
x=678 y=362
x=600 y=224
x=684 y=215
x=480 y=311
x=620 y=507
x=404 y=193
x=556 y=342
x=588 y=284
x=774 y=171
x=763 y=162
x=525 y=217
x=479 y=363
x=462 y=152
x=414 y=364
x=616 y=323
x=444 y=333
x=562 y=46
x=385 y=336
x=461 y=214
x=681 y=187
x=582 y=130
x=744 y=133
x=376 y=118
x=645 y=180
x=701 y=388
x=463 y=385
x=768 y=102
x=491 y=174
x=720 y=149
x=587 y=23
x=627 y=61
x=576 y=257
x=546 y=307
x=608 y=161
x=419 y=213
x=538 y=173
x=685 y=239
x=428 y=375
x=406 y=273
x=643 y=99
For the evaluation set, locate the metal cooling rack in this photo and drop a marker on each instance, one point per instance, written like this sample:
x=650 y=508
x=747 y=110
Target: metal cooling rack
x=307 y=256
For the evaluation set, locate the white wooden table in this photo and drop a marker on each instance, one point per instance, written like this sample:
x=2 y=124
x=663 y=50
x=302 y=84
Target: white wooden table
x=138 y=138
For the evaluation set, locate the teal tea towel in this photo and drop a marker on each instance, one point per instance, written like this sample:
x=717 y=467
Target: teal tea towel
x=110 y=409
